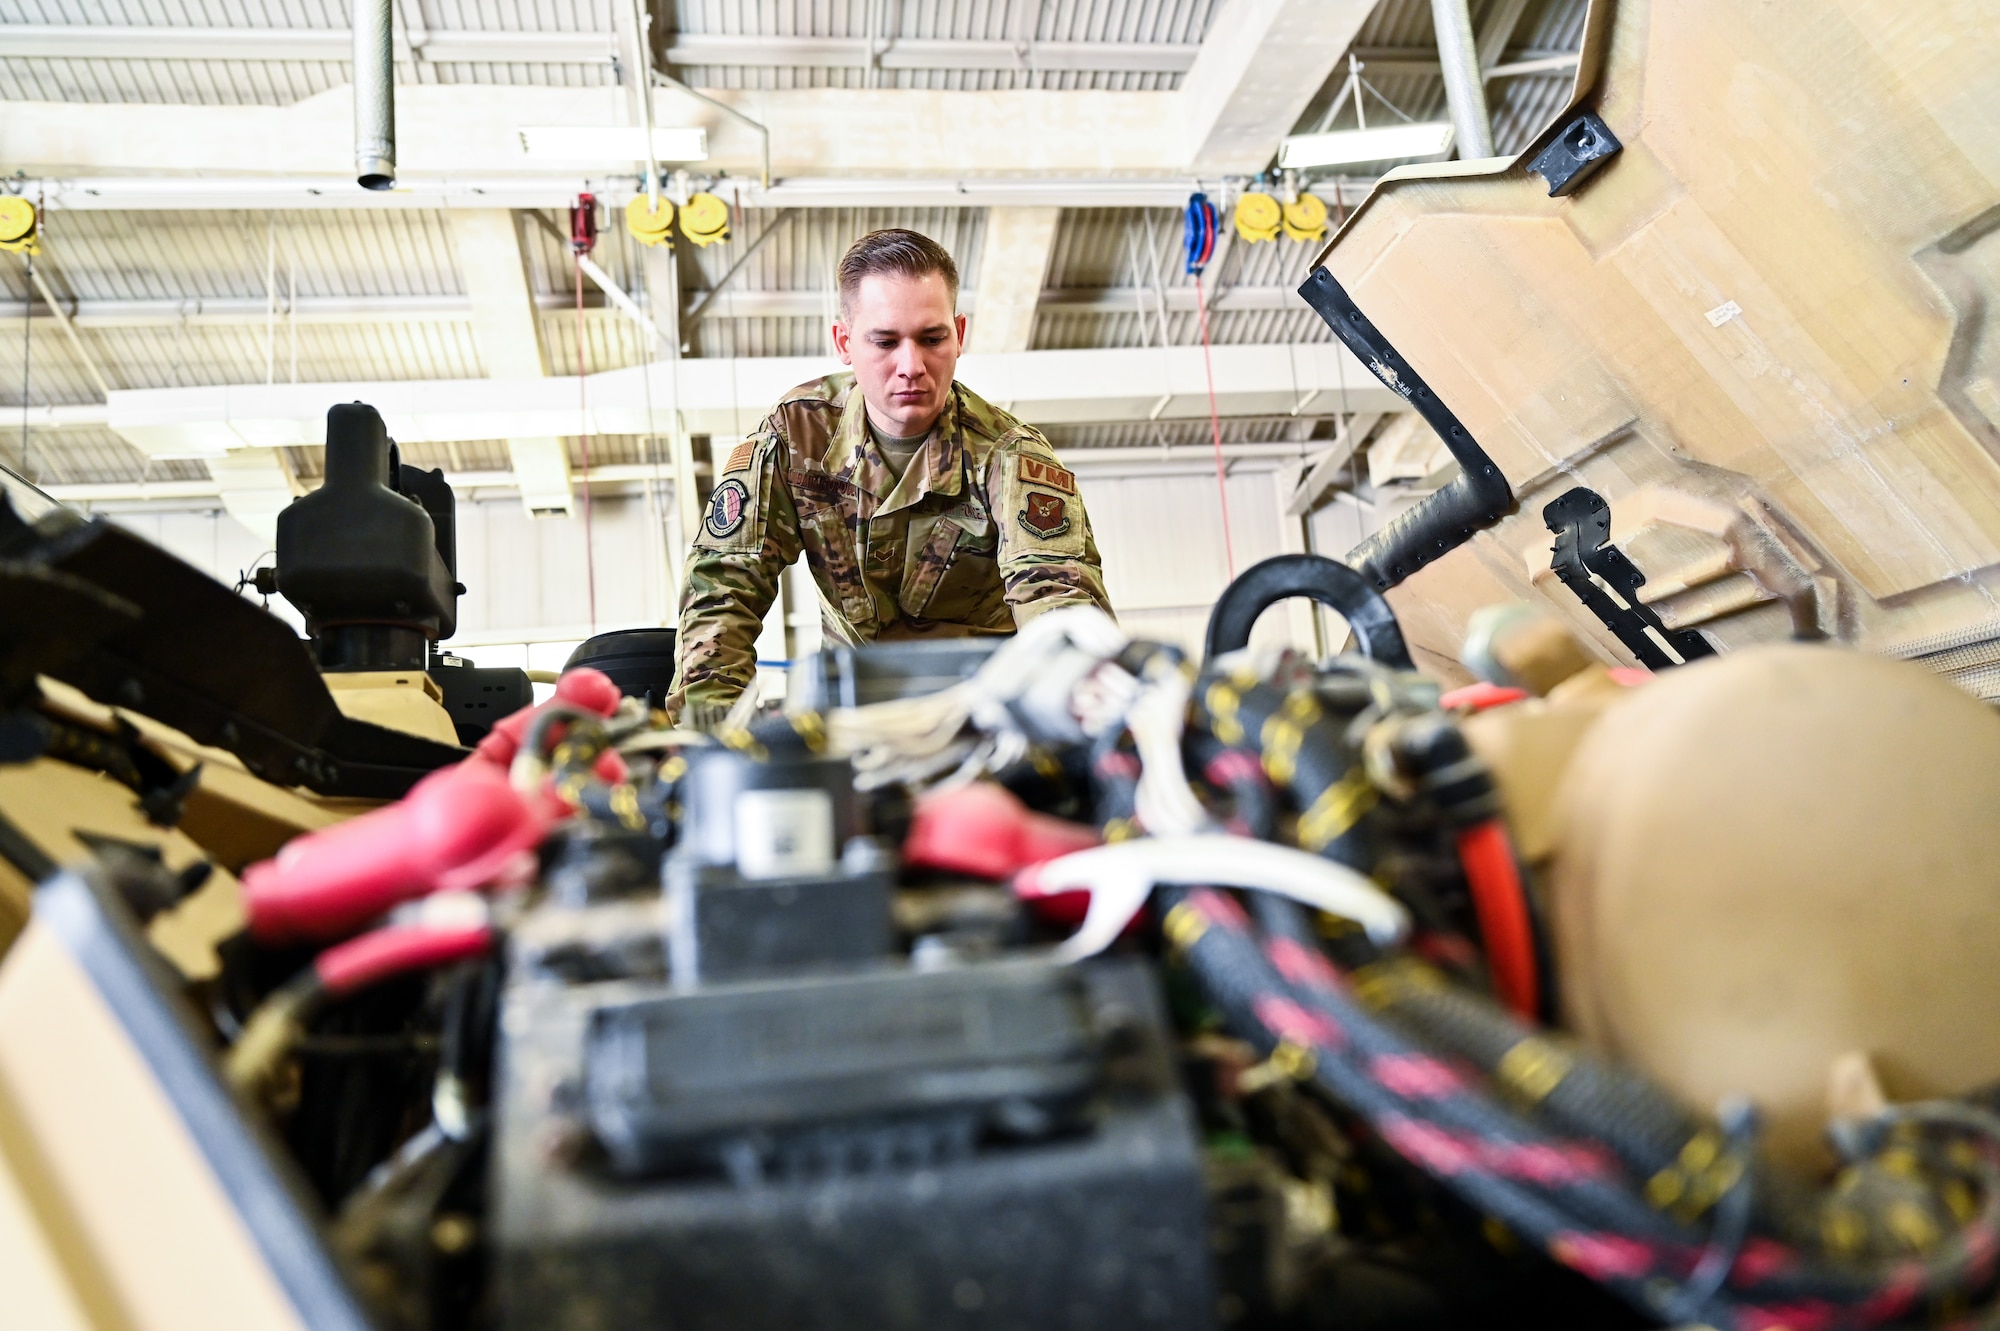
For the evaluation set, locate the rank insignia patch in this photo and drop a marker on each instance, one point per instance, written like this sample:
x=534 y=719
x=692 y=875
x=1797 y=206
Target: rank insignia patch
x=1034 y=471
x=1046 y=516
x=727 y=508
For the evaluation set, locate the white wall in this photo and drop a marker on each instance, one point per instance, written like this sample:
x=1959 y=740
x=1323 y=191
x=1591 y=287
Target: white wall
x=527 y=579
x=1161 y=540
x=527 y=597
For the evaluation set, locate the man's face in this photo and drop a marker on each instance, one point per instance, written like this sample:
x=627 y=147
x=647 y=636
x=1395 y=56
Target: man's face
x=903 y=341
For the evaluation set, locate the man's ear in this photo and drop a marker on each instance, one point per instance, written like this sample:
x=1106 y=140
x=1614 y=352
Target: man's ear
x=958 y=322
x=840 y=335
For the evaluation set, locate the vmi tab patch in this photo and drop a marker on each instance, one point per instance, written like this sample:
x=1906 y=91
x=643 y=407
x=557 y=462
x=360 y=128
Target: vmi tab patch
x=1044 y=516
x=1034 y=471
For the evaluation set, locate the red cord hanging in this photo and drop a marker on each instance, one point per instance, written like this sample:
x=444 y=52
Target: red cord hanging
x=583 y=440
x=1215 y=432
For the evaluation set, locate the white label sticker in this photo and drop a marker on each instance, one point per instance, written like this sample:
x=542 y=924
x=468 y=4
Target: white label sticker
x=1723 y=313
x=784 y=833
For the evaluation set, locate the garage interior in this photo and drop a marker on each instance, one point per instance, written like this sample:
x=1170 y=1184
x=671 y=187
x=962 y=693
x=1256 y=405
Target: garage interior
x=1519 y=850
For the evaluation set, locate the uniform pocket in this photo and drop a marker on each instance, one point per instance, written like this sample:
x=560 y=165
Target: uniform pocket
x=828 y=541
x=956 y=578
x=927 y=566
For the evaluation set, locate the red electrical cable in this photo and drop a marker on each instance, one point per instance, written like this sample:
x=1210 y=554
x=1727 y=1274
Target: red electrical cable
x=583 y=438
x=1215 y=429
x=1478 y=697
x=397 y=950
x=1501 y=903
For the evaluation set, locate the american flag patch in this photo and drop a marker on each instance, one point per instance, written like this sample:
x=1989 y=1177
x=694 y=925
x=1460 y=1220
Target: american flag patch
x=741 y=457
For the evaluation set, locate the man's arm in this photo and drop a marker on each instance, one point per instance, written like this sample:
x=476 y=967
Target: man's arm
x=1048 y=557
x=749 y=534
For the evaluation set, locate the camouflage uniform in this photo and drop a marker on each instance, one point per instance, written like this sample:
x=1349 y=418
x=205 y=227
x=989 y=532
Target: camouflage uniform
x=983 y=532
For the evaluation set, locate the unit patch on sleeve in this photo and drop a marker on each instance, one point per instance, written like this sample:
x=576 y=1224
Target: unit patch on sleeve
x=728 y=506
x=740 y=459
x=1044 y=517
x=1036 y=471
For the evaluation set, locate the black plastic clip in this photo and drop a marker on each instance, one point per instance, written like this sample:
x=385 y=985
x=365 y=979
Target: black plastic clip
x=1574 y=155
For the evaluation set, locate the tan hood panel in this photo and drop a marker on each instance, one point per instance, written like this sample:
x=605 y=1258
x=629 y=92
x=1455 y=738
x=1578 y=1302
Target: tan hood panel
x=1762 y=332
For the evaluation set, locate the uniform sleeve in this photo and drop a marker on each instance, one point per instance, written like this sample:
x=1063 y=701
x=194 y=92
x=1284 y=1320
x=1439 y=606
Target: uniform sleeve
x=1048 y=557
x=749 y=533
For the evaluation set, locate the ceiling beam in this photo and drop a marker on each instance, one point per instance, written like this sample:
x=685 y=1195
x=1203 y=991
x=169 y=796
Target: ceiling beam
x=472 y=131
x=182 y=495
x=1261 y=65
x=104 y=41
x=318 y=193
x=1013 y=260
x=1422 y=62
x=246 y=311
x=254 y=485
x=1502 y=17
x=505 y=326
x=90 y=41
x=726 y=397
x=1324 y=468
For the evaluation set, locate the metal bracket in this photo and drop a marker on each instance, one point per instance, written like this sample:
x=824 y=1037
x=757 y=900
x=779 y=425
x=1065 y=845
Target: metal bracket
x=1476 y=498
x=1581 y=521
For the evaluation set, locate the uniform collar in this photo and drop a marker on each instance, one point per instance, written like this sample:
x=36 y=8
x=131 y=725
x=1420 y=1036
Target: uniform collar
x=937 y=468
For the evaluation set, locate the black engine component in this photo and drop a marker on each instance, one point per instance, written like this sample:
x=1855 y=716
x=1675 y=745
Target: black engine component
x=477 y=696
x=1332 y=584
x=368 y=557
x=777 y=1077
x=774 y=870
x=1473 y=500
x=1017 y=1155
x=639 y=661
x=799 y=1126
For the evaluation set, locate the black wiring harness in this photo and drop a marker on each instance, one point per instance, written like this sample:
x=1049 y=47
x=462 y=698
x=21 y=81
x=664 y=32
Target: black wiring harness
x=1679 y=1214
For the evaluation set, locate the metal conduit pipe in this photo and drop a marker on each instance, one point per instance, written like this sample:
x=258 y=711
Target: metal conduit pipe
x=1458 y=58
x=374 y=94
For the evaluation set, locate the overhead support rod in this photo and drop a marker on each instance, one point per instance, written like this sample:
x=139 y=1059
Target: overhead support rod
x=69 y=328
x=374 y=94
x=706 y=298
x=763 y=133
x=1464 y=89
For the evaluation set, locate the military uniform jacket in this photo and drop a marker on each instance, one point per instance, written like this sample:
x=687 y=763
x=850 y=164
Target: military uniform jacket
x=984 y=531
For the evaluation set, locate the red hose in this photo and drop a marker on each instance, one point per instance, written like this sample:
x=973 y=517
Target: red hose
x=1501 y=904
x=374 y=957
x=458 y=829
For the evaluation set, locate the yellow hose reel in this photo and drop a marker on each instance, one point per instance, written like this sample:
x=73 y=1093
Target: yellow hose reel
x=705 y=219
x=648 y=225
x=18 y=225
x=1306 y=218
x=1258 y=217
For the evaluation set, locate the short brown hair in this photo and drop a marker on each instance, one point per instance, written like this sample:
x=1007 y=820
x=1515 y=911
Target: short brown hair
x=894 y=250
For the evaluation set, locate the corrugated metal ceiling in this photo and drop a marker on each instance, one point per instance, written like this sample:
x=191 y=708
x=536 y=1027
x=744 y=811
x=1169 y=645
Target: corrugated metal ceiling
x=194 y=256
x=1174 y=22
x=278 y=83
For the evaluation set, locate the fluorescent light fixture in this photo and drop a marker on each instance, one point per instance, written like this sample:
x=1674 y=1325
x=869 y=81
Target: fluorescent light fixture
x=1344 y=147
x=613 y=143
